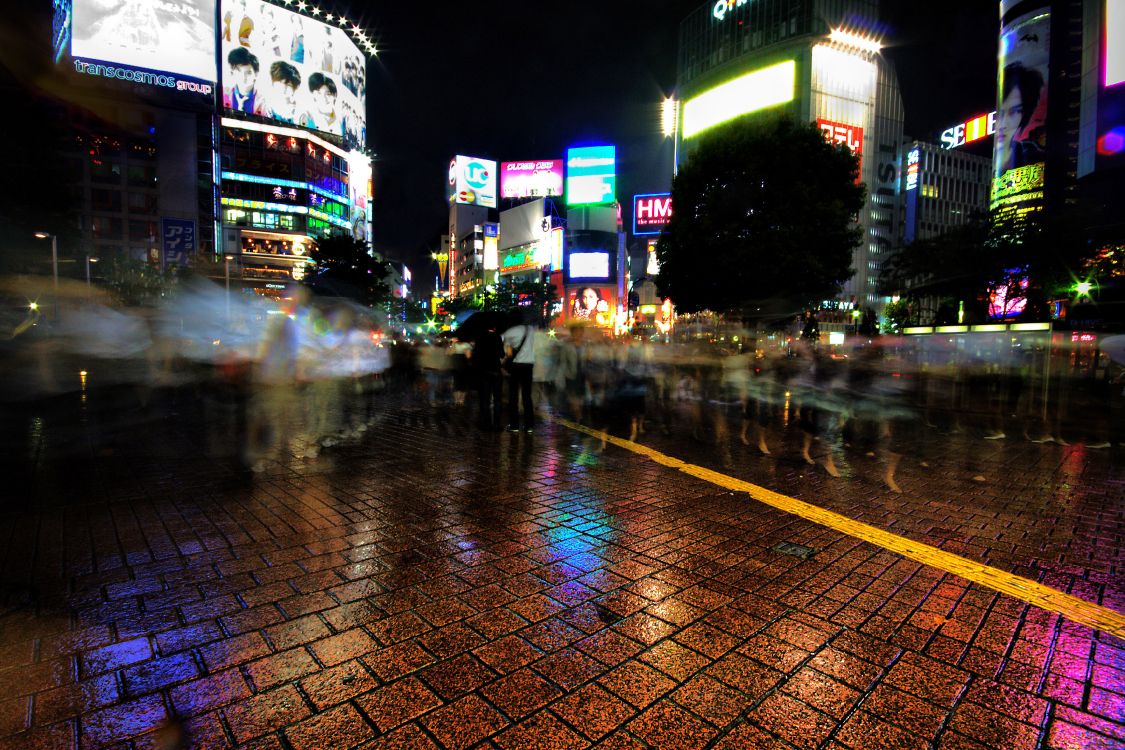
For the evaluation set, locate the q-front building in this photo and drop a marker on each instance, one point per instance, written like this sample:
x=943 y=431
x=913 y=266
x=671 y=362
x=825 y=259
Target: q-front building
x=816 y=60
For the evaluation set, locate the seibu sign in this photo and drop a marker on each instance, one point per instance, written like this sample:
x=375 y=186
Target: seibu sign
x=651 y=213
x=978 y=127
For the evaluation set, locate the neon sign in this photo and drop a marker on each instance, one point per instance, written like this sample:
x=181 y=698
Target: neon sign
x=978 y=127
x=651 y=213
x=723 y=7
x=849 y=135
x=913 y=167
x=136 y=75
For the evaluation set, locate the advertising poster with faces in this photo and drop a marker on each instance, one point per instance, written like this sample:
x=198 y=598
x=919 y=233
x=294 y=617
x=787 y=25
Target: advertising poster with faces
x=593 y=303
x=292 y=69
x=169 y=36
x=1021 y=114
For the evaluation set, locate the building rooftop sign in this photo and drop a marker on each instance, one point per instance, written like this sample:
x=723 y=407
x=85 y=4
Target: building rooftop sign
x=971 y=130
x=723 y=7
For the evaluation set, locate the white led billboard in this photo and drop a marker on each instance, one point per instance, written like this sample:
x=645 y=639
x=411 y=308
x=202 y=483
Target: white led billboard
x=290 y=68
x=1114 y=42
x=588 y=265
x=167 y=36
x=749 y=93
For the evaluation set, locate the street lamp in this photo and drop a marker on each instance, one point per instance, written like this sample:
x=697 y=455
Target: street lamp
x=89 y=260
x=226 y=262
x=54 y=255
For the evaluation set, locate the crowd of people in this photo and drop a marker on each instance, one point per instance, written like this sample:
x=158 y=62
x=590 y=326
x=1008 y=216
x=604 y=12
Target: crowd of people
x=296 y=379
x=875 y=397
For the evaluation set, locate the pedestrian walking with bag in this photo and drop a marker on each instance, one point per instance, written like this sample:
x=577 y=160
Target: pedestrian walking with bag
x=519 y=344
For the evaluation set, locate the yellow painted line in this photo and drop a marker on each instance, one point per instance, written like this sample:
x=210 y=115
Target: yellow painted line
x=1024 y=589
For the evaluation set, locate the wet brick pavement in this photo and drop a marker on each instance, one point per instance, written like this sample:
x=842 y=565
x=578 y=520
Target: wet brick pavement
x=431 y=587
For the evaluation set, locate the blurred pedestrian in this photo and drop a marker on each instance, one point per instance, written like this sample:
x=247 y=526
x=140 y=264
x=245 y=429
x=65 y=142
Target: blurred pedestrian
x=485 y=359
x=519 y=347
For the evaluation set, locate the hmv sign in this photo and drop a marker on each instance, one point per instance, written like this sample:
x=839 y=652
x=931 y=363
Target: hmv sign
x=651 y=213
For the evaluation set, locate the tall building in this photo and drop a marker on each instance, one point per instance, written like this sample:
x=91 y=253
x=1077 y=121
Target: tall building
x=817 y=61
x=181 y=160
x=141 y=171
x=471 y=187
x=942 y=188
x=293 y=169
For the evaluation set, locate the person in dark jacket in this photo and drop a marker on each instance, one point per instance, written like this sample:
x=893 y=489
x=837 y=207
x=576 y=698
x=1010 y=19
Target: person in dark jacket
x=485 y=359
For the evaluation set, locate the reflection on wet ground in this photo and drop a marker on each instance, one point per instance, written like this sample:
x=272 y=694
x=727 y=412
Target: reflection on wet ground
x=421 y=583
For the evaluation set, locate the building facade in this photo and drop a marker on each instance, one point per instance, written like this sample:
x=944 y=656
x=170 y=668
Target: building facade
x=942 y=189
x=283 y=190
x=816 y=61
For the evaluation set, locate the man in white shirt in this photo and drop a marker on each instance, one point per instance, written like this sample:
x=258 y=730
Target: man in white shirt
x=519 y=345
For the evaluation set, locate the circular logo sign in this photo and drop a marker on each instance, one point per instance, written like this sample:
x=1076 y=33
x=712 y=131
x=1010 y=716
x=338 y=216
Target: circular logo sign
x=476 y=175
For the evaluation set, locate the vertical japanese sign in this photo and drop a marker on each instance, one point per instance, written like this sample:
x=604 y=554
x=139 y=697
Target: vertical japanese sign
x=849 y=135
x=178 y=236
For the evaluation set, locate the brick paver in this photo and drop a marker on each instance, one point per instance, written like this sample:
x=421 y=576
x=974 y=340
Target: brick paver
x=432 y=587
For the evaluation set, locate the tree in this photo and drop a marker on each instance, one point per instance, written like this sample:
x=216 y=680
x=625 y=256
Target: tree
x=346 y=267
x=1032 y=259
x=525 y=296
x=764 y=221
x=137 y=282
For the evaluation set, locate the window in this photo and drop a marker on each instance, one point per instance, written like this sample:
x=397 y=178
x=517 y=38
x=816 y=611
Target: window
x=142 y=175
x=104 y=227
x=142 y=231
x=142 y=203
x=105 y=200
x=104 y=171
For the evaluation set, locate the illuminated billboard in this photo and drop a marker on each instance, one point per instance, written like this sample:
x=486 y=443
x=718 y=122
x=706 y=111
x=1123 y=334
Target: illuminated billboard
x=472 y=181
x=292 y=69
x=969 y=131
x=760 y=89
x=848 y=135
x=594 y=304
x=1114 y=42
x=166 y=36
x=1019 y=153
x=1111 y=98
x=591 y=175
x=651 y=213
x=913 y=168
x=589 y=266
x=359 y=194
x=523 y=258
x=531 y=179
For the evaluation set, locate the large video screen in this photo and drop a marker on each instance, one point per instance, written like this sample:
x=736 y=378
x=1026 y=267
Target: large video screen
x=591 y=175
x=169 y=36
x=1019 y=155
x=594 y=303
x=292 y=69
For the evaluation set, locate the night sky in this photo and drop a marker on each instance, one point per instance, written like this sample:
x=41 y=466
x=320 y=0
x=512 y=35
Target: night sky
x=523 y=80
x=514 y=80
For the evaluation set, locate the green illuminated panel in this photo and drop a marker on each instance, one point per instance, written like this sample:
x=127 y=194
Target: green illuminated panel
x=749 y=93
